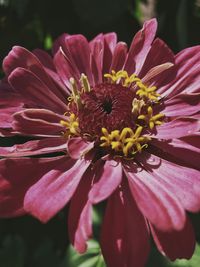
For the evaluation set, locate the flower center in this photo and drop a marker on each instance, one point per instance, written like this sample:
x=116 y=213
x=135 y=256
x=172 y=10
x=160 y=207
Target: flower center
x=118 y=114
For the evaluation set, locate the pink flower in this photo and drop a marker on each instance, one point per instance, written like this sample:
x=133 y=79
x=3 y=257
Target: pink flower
x=121 y=125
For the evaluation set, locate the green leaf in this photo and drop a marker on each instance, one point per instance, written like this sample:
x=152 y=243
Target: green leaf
x=92 y=257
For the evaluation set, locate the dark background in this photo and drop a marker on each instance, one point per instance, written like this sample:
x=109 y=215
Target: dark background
x=25 y=242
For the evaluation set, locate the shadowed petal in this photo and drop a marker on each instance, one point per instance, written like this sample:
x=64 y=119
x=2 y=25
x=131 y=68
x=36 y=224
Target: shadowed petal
x=176 y=244
x=17 y=176
x=49 y=195
x=80 y=214
x=35 y=147
x=32 y=88
x=124 y=237
x=119 y=56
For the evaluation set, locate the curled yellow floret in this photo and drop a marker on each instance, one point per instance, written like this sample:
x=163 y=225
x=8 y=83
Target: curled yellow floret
x=71 y=124
x=125 y=141
x=151 y=119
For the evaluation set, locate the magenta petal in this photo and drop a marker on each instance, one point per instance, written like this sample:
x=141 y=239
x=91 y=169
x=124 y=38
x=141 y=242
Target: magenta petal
x=140 y=47
x=186 y=149
x=124 y=237
x=177 y=128
x=80 y=215
x=119 y=56
x=110 y=178
x=188 y=75
x=40 y=122
x=35 y=147
x=31 y=87
x=176 y=244
x=21 y=57
x=17 y=176
x=49 y=195
x=79 y=50
x=156 y=202
x=182 y=105
x=159 y=53
x=77 y=147
x=182 y=182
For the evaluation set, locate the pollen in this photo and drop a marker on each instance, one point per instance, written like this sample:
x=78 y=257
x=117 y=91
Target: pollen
x=72 y=125
x=126 y=141
x=150 y=119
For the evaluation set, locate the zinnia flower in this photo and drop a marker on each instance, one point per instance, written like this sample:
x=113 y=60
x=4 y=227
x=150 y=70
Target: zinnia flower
x=109 y=123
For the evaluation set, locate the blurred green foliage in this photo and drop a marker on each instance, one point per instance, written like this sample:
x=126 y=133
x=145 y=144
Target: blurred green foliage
x=25 y=242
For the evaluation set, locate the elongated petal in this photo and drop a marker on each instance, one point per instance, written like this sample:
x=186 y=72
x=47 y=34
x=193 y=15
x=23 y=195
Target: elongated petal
x=177 y=128
x=79 y=50
x=17 y=175
x=159 y=54
x=182 y=105
x=21 y=57
x=44 y=199
x=35 y=147
x=176 y=244
x=80 y=214
x=121 y=244
x=155 y=201
x=39 y=122
x=185 y=149
x=140 y=47
x=110 y=178
x=31 y=87
x=119 y=56
x=187 y=78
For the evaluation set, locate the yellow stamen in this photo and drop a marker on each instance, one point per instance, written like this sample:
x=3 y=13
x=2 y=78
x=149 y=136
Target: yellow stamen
x=147 y=92
x=72 y=125
x=125 y=141
x=85 y=83
x=122 y=75
x=151 y=119
x=75 y=93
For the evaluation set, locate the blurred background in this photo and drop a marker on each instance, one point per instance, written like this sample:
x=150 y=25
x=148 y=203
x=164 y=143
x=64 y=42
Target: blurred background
x=25 y=242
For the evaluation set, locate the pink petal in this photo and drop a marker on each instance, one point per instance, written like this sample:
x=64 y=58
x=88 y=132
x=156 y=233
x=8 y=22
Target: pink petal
x=110 y=40
x=177 y=128
x=159 y=53
x=140 y=47
x=40 y=122
x=80 y=215
x=35 y=147
x=176 y=244
x=188 y=75
x=124 y=237
x=177 y=179
x=77 y=147
x=59 y=42
x=182 y=105
x=21 y=57
x=185 y=149
x=155 y=201
x=31 y=87
x=119 y=56
x=54 y=190
x=79 y=50
x=110 y=177
x=17 y=176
